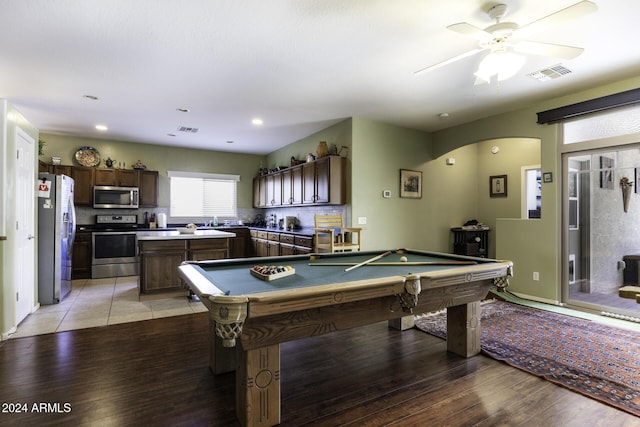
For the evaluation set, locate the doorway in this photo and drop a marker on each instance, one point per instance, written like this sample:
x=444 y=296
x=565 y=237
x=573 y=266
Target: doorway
x=601 y=239
x=25 y=225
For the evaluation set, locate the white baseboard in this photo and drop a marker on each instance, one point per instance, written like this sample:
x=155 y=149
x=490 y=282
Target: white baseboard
x=6 y=335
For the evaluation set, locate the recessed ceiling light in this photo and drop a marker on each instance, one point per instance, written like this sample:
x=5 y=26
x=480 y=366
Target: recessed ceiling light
x=257 y=121
x=91 y=97
x=101 y=128
x=183 y=110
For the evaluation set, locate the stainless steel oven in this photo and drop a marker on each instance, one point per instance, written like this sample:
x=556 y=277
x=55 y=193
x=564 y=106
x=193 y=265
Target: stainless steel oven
x=115 y=246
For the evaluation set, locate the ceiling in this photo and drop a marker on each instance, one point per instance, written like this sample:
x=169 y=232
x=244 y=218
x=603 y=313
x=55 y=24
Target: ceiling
x=299 y=65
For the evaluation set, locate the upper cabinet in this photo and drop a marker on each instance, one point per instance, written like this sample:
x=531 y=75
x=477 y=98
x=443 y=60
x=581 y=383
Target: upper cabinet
x=312 y=183
x=148 y=183
x=85 y=178
x=117 y=177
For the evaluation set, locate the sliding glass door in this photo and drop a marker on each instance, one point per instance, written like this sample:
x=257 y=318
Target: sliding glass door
x=601 y=223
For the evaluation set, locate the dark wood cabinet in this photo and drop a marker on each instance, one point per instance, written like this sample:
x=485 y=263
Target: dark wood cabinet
x=104 y=177
x=292 y=186
x=239 y=246
x=117 y=177
x=148 y=182
x=83 y=178
x=269 y=243
x=200 y=250
x=259 y=192
x=312 y=183
x=159 y=260
x=273 y=189
x=324 y=181
x=81 y=256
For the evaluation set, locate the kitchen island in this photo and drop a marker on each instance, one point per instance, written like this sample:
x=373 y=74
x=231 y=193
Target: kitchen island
x=161 y=252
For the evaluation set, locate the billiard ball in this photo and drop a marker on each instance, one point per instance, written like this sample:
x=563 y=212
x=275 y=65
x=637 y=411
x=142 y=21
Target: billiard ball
x=403 y=259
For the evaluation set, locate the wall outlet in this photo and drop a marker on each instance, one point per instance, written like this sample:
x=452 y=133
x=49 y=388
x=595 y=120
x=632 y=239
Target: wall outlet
x=362 y=220
x=536 y=275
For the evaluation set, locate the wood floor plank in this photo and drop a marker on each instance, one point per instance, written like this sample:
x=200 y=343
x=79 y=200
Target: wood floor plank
x=155 y=373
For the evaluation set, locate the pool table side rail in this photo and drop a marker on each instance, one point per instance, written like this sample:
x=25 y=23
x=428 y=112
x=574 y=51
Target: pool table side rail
x=296 y=299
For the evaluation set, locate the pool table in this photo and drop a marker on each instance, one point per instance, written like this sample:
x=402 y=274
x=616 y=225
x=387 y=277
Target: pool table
x=251 y=314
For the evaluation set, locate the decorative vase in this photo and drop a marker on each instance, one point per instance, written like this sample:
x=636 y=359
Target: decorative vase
x=323 y=149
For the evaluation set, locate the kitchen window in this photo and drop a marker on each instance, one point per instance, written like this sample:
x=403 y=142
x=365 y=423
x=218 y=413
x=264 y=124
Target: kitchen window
x=203 y=195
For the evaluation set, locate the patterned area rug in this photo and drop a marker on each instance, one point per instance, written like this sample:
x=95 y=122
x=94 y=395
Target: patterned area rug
x=598 y=361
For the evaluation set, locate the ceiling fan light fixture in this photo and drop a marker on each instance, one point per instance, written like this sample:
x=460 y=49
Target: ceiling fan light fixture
x=500 y=63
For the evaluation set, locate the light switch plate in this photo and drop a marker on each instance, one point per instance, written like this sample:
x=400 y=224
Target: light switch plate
x=386 y=194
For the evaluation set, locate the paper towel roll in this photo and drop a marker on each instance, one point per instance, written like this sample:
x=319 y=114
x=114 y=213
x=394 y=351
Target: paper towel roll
x=162 y=220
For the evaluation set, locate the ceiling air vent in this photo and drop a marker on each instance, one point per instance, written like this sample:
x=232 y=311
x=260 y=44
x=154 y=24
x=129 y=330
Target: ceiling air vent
x=188 y=129
x=550 y=73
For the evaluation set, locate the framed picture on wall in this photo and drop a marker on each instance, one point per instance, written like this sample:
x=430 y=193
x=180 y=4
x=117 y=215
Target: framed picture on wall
x=606 y=173
x=498 y=186
x=410 y=184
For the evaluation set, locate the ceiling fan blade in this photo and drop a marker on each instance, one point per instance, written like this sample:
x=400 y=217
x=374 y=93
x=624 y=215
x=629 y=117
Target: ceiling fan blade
x=449 y=61
x=469 y=30
x=547 y=49
x=555 y=19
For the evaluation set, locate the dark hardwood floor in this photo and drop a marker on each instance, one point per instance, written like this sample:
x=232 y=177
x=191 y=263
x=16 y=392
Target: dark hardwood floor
x=155 y=373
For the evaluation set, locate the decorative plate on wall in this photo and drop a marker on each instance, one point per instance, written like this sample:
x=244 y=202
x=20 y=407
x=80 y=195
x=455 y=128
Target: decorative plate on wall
x=88 y=156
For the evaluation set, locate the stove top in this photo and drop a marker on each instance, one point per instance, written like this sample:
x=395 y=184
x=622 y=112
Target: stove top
x=116 y=222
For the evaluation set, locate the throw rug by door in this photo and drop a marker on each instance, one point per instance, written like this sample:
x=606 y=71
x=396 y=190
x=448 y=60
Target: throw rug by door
x=598 y=361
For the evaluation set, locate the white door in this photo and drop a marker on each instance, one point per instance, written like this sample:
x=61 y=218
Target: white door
x=25 y=225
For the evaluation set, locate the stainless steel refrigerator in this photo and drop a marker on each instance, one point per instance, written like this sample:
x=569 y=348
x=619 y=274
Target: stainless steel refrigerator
x=56 y=232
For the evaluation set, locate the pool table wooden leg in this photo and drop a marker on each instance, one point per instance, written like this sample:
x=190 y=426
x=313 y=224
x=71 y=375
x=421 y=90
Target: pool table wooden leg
x=258 y=386
x=221 y=359
x=403 y=323
x=463 y=329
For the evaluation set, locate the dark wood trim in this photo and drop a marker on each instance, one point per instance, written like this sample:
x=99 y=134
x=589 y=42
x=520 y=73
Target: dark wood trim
x=591 y=106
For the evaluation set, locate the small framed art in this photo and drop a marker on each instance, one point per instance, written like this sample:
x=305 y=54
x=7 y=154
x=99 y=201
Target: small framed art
x=410 y=184
x=498 y=186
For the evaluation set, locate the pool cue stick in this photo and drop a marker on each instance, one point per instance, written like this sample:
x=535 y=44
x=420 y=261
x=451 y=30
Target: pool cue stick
x=375 y=258
x=319 y=264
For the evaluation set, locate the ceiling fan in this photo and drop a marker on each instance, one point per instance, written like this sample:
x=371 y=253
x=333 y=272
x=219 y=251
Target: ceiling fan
x=506 y=40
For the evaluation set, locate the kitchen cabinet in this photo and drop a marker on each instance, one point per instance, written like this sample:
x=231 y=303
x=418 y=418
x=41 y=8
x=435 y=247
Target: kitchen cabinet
x=259 y=193
x=81 y=256
x=83 y=178
x=322 y=181
x=269 y=243
x=239 y=245
x=159 y=261
x=200 y=250
x=273 y=188
x=148 y=182
x=292 y=186
x=116 y=177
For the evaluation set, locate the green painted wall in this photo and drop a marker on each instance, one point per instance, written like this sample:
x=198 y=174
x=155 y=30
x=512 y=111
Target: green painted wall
x=532 y=245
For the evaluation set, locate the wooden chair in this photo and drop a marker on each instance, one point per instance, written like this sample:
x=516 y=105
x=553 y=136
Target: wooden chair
x=332 y=236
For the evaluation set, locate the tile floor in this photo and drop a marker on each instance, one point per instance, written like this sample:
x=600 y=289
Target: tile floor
x=100 y=302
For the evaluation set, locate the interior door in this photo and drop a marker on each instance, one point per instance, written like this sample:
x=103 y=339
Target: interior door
x=25 y=225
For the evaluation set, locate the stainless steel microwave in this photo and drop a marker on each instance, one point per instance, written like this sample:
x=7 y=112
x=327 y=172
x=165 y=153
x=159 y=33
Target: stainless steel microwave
x=109 y=197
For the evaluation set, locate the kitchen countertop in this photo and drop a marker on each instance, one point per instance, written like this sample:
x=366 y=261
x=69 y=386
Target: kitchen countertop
x=175 y=235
